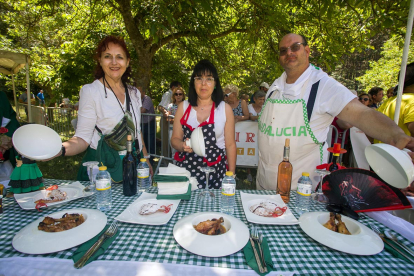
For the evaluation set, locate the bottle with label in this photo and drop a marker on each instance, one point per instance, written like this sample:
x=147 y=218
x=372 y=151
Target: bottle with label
x=129 y=172
x=284 y=174
x=103 y=190
x=143 y=174
x=303 y=194
x=228 y=194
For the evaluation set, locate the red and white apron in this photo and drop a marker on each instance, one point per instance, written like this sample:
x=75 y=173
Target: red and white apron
x=215 y=157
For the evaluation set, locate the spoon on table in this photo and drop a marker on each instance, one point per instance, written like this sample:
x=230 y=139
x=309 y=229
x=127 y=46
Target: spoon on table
x=392 y=237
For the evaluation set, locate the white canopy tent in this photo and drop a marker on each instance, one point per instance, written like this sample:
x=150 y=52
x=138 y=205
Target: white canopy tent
x=10 y=64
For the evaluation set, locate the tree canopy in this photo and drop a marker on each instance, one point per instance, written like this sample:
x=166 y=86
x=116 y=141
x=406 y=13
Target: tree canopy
x=166 y=38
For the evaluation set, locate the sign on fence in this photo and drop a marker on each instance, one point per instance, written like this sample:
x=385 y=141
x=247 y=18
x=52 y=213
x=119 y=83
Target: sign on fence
x=246 y=142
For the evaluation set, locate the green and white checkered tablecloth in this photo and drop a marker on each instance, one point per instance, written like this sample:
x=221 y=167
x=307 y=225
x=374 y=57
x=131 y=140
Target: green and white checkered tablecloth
x=292 y=250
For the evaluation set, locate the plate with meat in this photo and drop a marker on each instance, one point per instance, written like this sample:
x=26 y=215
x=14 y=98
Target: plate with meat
x=341 y=233
x=148 y=210
x=267 y=209
x=54 y=195
x=59 y=231
x=211 y=234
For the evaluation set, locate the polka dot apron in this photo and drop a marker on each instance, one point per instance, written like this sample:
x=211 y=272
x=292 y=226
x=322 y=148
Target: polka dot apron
x=215 y=157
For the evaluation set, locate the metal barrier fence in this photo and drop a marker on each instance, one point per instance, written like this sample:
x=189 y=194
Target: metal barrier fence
x=59 y=119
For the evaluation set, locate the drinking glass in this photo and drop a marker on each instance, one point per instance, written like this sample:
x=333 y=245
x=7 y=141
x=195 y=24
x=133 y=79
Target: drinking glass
x=90 y=165
x=206 y=198
x=318 y=195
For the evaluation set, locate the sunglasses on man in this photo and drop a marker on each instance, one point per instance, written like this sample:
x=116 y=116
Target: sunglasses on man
x=293 y=48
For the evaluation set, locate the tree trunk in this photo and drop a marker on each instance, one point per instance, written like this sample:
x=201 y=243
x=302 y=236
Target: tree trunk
x=143 y=72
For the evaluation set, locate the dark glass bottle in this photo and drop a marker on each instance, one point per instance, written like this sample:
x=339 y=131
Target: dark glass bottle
x=284 y=174
x=129 y=170
x=335 y=162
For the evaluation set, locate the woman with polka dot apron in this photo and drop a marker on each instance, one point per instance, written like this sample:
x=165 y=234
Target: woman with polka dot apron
x=205 y=104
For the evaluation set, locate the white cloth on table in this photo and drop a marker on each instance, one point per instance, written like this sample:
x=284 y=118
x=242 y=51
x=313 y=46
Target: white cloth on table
x=176 y=187
x=37 y=266
x=104 y=112
x=219 y=121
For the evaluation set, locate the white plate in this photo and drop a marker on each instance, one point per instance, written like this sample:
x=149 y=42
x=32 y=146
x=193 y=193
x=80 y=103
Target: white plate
x=233 y=240
x=131 y=214
x=30 y=240
x=250 y=199
x=37 y=142
x=363 y=240
x=27 y=200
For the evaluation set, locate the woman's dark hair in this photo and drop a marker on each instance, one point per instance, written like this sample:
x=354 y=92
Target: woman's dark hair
x=203 y=68
x=102 y=46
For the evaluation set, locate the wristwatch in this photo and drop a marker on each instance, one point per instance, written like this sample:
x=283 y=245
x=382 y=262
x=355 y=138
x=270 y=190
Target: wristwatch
x=147 y=156
x=63 y=150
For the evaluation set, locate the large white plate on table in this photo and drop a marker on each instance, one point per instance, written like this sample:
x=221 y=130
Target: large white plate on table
x=233 y=240
x=363 y=240
x=73 y=191
x=251 y=199
x=131 y=214
x=37 y=142
x=30 y=240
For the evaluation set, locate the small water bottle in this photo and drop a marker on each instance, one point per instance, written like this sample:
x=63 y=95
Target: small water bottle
x=228 y=194
x=303 y=194
x=103 y=190
x=143 y=175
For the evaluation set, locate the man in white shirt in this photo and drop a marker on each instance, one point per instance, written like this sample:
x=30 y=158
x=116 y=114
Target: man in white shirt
x=300 y=105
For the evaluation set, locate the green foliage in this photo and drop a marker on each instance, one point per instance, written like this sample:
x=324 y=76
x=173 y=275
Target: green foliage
x=384 y=72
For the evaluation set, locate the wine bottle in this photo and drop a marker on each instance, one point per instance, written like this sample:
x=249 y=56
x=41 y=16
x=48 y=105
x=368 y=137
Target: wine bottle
x=284 y=174
x=129 y=171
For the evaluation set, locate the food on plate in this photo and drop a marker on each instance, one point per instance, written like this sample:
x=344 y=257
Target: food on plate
x=152 y=208
x=68 y=221
x=267 y=209
x=53 y=195
x=330 y=224
x=339 y=227
x=211 y=227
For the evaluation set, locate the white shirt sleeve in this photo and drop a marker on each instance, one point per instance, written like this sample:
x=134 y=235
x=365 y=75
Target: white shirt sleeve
x=251 y=110
x=87 y=116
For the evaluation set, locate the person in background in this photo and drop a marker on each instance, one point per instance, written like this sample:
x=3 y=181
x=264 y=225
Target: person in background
x=240 y=110
x=245 y=97
x=390 y=92
x=9 y=121
x=406 y=118
x=74 y=122
x=377 y=93
x=41 y=97
x=23 y=99
x=205 y=109
x=364 y=99
x=264 y=86
x=256 y=107
x=109 y=106
x=178 y=96
x=148 y=124
x=162 y=107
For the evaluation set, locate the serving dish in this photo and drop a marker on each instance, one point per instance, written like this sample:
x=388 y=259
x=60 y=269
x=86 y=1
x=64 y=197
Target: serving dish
x=30 y=240
x=363 y=240
x=233 y=240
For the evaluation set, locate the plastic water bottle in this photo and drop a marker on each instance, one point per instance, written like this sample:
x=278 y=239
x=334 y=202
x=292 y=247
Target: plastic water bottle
x=143 y=175
x=103 y=190
x=228 y=194
x=303 y=194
